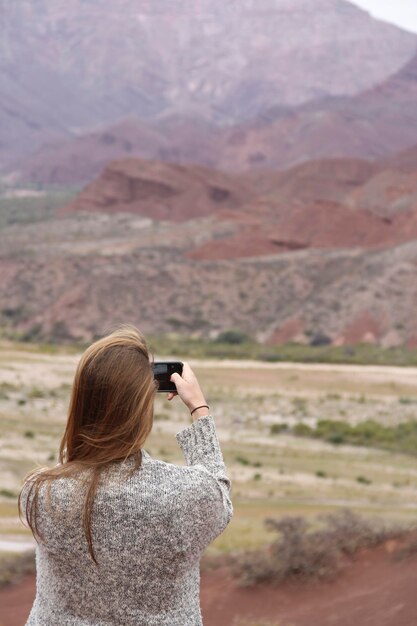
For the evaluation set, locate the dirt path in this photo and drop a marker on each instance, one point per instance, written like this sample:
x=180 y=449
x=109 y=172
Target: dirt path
x=374 y=591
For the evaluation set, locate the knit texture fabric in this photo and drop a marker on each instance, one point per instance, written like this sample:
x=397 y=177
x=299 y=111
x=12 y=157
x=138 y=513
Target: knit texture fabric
x=149 y=533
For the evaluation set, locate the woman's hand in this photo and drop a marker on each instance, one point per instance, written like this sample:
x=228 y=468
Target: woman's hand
x=188 y=389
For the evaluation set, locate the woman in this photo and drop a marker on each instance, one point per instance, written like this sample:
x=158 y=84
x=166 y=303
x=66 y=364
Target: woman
x=119 y=533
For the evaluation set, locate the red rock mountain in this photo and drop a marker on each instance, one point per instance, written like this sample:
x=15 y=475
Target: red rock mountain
x=68 y=68
x=161 y=191
x=340 y=203
x=325 y=249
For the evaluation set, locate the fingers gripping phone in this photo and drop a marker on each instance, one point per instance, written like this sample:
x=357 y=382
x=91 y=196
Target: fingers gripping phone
x=163 y=370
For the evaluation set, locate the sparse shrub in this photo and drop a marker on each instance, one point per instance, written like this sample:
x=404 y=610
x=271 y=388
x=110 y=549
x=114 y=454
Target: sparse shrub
x=301 y=554
x=21 y=401
x=16 y=314
x=405 y=400
x=350 y=531
x=175 y=322
x=401 y=438
x=36 y=392
x=321 y=474
x=408 y=549
x=242 y=460
x=7 y=493
x=320 y=339
x=51 y=457
x=275 y=429
x=333 y=396
x=300 y=405
x=33 y=334
x=303 y=430
x=233 y=337
x=257 y=476
x=60 y=332
x=29 y=434
x=363 y=480
x=336 y=438
x=257 y=464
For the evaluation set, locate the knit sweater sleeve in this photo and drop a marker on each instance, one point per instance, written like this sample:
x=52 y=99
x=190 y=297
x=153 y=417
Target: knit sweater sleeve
x=209 y=508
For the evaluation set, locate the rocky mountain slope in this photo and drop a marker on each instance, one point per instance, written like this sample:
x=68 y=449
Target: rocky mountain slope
x=326 y=248
x=372 y=125
x=378 y=122
x=70 y=69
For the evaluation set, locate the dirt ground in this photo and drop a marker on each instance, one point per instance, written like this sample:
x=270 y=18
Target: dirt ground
x=373 y=591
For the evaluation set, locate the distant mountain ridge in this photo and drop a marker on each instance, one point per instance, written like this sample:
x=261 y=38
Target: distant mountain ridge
x=69 y=68
x=373 y=124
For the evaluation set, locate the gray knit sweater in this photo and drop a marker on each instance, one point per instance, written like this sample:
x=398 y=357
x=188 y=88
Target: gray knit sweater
x=149 y=533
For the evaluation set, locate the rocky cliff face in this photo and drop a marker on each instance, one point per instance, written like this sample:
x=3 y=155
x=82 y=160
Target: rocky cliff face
x=67 y=67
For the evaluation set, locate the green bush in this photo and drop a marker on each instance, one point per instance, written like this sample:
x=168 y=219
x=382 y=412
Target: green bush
x=399 y=438
x=303 y=430
x=37 y=392
x=275 y=429
x=242 y=460
x=363 y=480
x=233 y=337
x=7 y=493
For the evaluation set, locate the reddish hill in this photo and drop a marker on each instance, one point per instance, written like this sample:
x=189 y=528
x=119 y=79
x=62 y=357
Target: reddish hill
x=159 y=190
x=314 y=225
x=326 y=203
x=333 y=249
x=323 y=204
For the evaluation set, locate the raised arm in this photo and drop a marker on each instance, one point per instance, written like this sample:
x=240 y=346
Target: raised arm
x=205 y=507
x=208 y=505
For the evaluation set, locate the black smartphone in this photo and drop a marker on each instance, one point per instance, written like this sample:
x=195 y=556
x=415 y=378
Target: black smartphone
x=163 y=370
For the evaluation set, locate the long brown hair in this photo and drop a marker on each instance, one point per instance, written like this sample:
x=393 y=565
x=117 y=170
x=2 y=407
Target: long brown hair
x=110 y=416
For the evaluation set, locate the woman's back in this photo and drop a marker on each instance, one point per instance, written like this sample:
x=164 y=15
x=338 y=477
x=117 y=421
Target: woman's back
x=149 y=531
